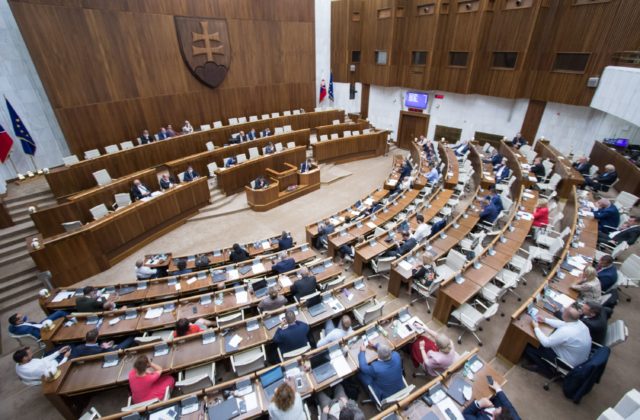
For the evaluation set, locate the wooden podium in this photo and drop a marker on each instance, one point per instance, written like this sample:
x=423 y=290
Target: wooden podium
x=280 y=189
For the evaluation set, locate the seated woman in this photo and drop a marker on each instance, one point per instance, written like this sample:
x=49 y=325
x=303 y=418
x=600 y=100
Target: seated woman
x=424 y=273
x=433 y=357
x=541 y=214
x=589 y=285
x=184 y=327
x=286 y=403
x=147 y=382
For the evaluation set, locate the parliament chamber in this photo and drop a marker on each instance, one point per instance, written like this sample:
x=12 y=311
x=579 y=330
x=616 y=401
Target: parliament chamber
x=331 y=209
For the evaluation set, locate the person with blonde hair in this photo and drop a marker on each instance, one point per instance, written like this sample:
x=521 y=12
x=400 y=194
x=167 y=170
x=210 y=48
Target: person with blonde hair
x=433 y=356
x=588 y=286
x=286 y=403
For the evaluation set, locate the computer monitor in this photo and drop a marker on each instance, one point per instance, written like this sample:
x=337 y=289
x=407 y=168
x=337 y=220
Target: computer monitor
x=416 y=100
x=271 y=376
x=319 y=359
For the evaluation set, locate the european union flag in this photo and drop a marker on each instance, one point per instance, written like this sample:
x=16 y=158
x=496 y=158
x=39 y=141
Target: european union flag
x=28 y=145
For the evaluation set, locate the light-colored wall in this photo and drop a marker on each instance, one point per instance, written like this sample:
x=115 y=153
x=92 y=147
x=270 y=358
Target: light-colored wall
x=20 y=83
x=617 y=93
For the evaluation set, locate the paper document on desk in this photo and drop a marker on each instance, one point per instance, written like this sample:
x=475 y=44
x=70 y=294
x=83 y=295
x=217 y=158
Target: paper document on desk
x=242 y=297
x=341 y=366
x=448 y=404
x=251 y=401
x=192 y=280
x=371 y=225
x=154 y=313
x=563 y=299
x=284 y=281
x=235 y=340
x=258 y=268
x=368 y=201
x=62 y=296
x=405 y=265
x=114 y=321
x=585 y=213
x=354 y=212
x=392 y=182
x=527 y=195
x=233 y=274
x=525 y=216
x=266 y=245
x=178 y=286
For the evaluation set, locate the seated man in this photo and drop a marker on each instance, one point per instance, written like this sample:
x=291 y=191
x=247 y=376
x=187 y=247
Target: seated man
x=518 y=141
x=145 y=273
x=230 y=161
x=146 y=137
x=163 y=134
x=461 y=148
x=90 y=302
x=603 y=181
x=167 y=182
x=582 y=165
x=184 y=327
x=269 y=149
x=190 y=174
x=266 y=132
x=292 y=334
x=607 y=273
x=498 y=407
x=383 y=375
x=433 y=175
x=305 y=286
x=238 y=254
x=538 y=169
x=306 y=166
x=607 y=215
x=91 y=346
x=340 y=407
x=594 y=316
x=495 y=198
x=260 y=183
x=252 y=135
x=422 y=230
x=333 y=333
x=285 y=241
x=407 y=244
x=202 y=262
x=187 y=128
x=272 y=301
x=489 y=211
x=30 y=370
x=19 y=324
x=405 y=171
x=181 y=265
x=170 y=131
x=495 y=158
x=139 y=190
x=628 y=232
x=285 y=264
x=502 y=171
x=570 y=341
x=324 y=229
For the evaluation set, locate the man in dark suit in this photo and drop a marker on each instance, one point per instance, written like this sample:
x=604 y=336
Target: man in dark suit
x=538 y=169
x=170 y=131
x=324 y=229
x=494 y=159
x=190 y=174
x=166 y=182
x=163 y=134
x=305 y=286
x=489 y=211
x=238 y=254
x=139 y=190
x=306 y=166
x=266 y=132
x=405 y=171
x=90 y=302
x=502 y=171
x=407 y=244
x=91 y=346
x=497 y=407
x=260 y=183
x=285 y=241
x=461 y=148
x=495 y=198
x=252 y=135
x=230 y=161
x=628 y=232
x=603 y=181
x=292 y=334
x=146 y=137
x=595 y=317
x=607 y=215
x=518 y=141
x=269 y=149
x=607 y=273
x=582 y=165
x=285 y=264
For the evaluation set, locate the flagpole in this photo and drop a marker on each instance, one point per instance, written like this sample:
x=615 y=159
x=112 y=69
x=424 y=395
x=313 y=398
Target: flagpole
x=13 y=164
x=35 y=167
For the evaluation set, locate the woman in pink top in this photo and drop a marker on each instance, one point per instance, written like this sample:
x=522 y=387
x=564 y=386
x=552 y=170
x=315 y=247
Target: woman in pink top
x=433 y=357
x=146 y=381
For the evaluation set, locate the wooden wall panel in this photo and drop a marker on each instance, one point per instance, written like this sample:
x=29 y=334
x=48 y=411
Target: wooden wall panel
x=120 y=70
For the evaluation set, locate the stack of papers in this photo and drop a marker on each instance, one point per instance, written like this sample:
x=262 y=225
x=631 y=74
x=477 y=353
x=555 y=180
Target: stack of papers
x=242 y=297
x=372 y=225
x=266 y=245
x=284 y=281
x=233 y=274
x=192 y=280
x=250 y=401
x=235 y=340
x=525 y=215
x=62 y=296
x=528 y=195
x=341 y=366
x=154 y=313
x=258 y=268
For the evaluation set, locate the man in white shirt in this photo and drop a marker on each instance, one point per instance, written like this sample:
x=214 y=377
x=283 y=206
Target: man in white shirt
x=145 y=273
x=32 y=370
x=422 y=230
x=333 y=333
x=570 y=341
x=433 y=176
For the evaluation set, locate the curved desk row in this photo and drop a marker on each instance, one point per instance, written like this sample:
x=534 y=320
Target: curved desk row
x=562 y=166
x=346 y=149
x=67 y=180
x=98 y=245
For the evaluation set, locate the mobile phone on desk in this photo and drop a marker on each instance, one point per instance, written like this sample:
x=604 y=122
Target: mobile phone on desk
x=299 y=382
x=490 y=379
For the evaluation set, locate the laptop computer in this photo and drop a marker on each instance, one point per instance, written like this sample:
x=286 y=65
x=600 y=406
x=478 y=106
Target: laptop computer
x=244 y=269
x=317 y=269
x=160 y=349
x=142 y=285
x=225 y=410
x=321 y=366
x=270 y=380
x=219 y=275
x=456 y=387
x=126 y=290
x=272 y=322
x=131 y=314
x=315 y=306
x=110 y=360
x=260 y=288
x=173 y=412
x=189 y=405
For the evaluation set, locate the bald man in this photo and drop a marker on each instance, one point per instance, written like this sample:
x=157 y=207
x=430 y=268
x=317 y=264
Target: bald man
x=607 y=215
x=571 y=341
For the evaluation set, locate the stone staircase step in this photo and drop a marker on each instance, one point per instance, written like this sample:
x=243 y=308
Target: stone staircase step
x=20 y=201
x=15 y=257
x=18 y=296
x=16 y=281
x=16 y=234
x=24 y=209
x=13 y=249
x=16 y=269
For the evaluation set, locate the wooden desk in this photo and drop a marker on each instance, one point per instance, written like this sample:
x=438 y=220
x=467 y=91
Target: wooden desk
x=5 y=218
x=234 y=179
x=98 y=245
x=628 y=173
x=66 y=180
x=346 y=149
x=341 y=128
x=278 y=192
x=562 y=166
